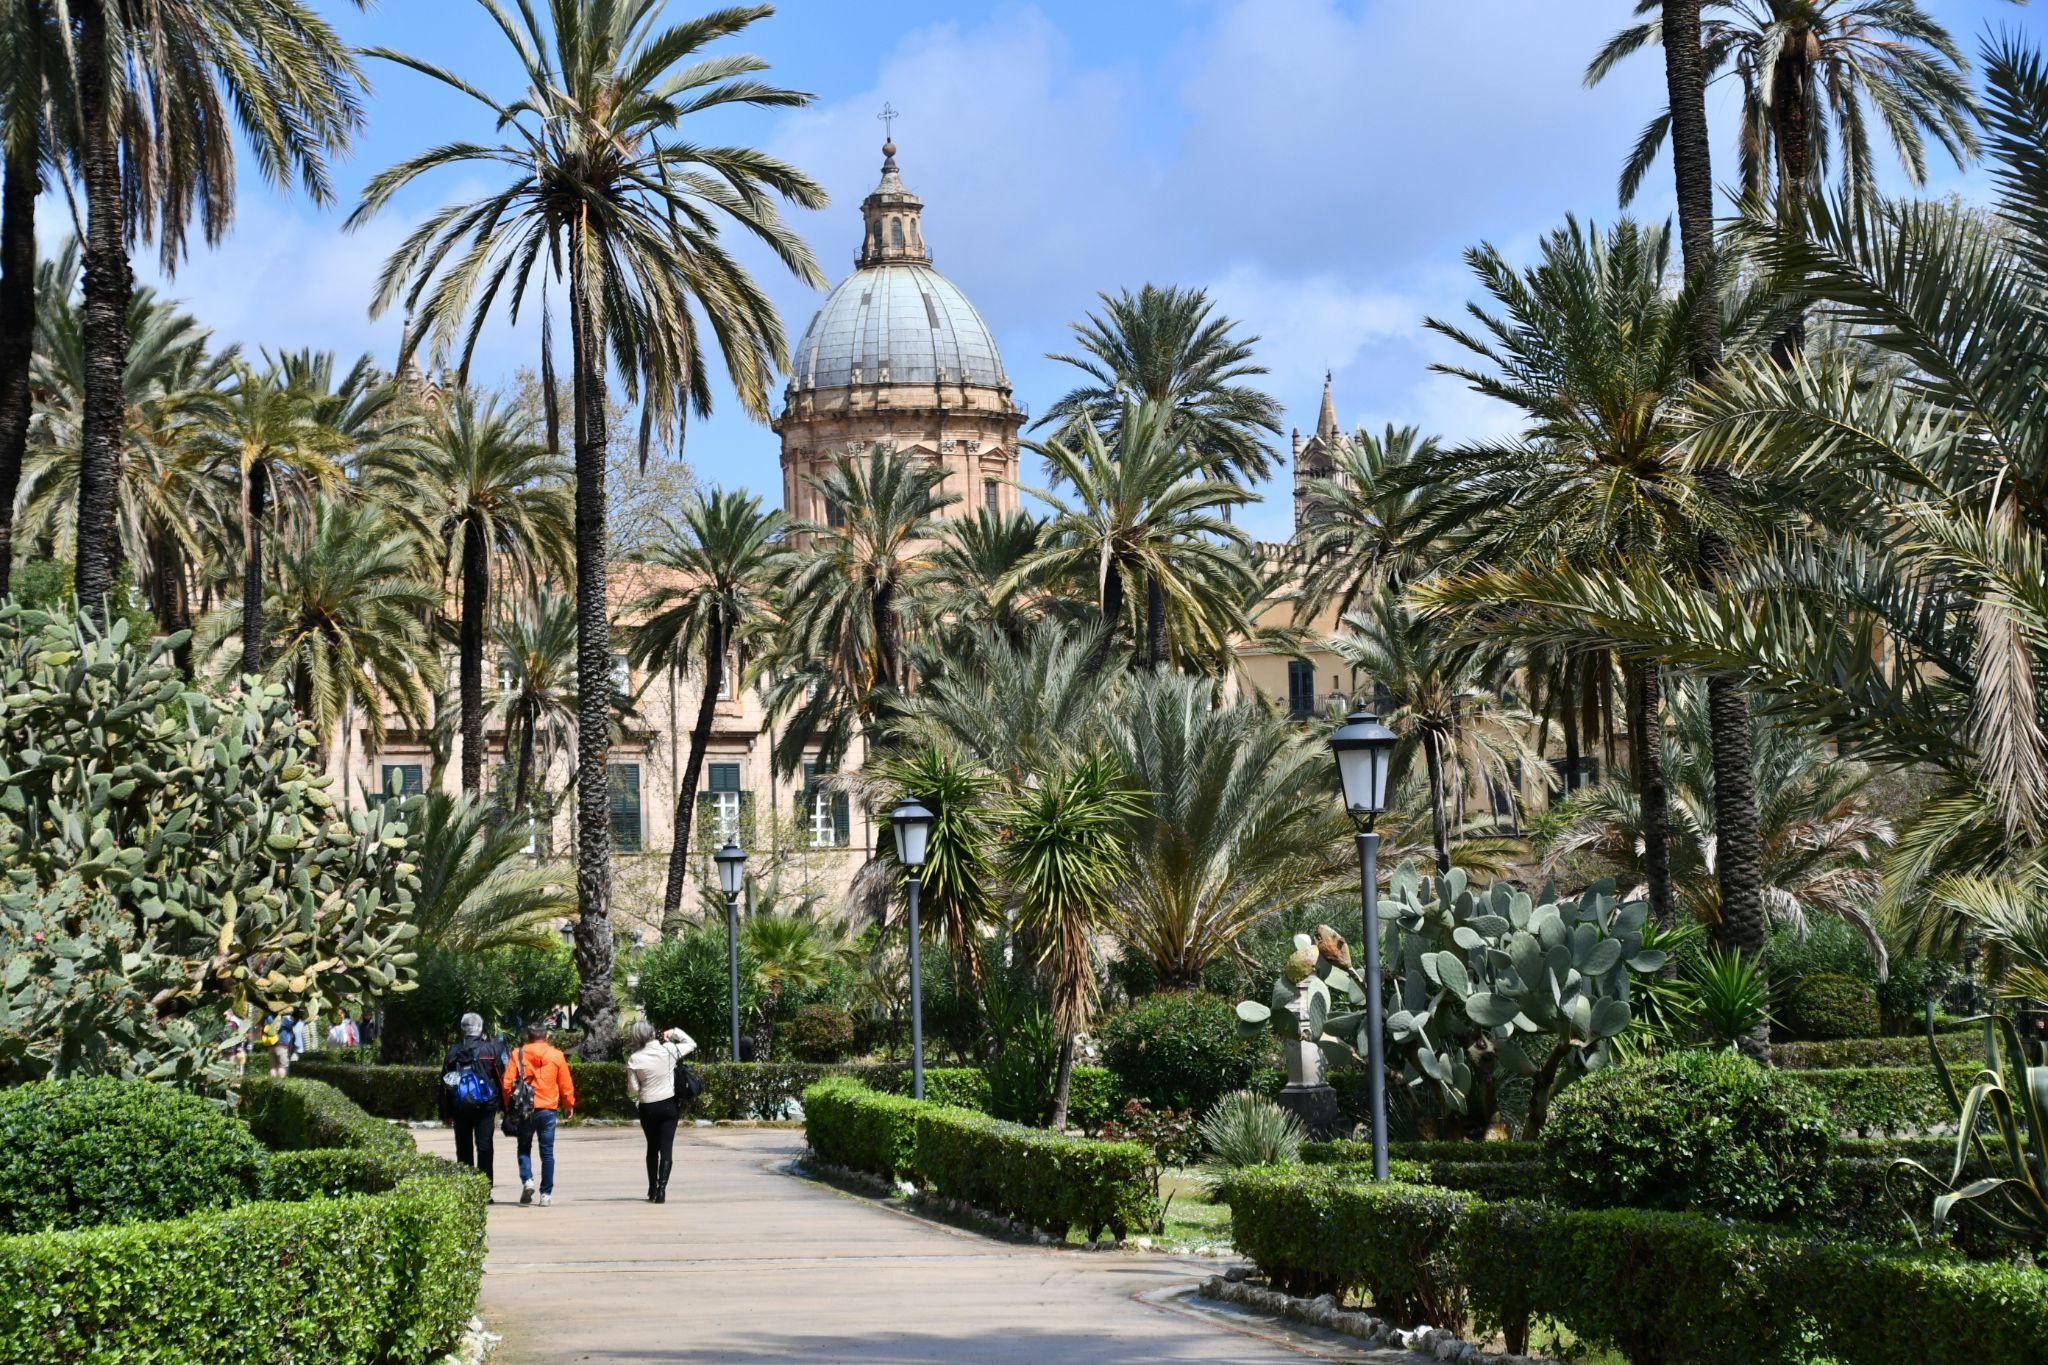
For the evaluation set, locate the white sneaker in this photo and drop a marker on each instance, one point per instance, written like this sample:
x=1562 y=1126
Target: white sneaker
x=526 y=1192
x=546 y=1200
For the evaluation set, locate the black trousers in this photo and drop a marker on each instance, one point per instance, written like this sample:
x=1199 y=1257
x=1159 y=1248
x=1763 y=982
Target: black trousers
x=658 y=1122
x=473 y=1139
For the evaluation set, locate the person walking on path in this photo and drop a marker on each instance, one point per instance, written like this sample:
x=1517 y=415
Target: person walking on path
x=538 y=1075
x=651 y=1076
x=472 y=1079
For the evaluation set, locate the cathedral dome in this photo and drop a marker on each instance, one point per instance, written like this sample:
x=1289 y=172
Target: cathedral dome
x=897 y=322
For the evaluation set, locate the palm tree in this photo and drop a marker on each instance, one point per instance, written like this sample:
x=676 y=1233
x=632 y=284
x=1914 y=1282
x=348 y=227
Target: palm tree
x=1820 y=831
x=1013 y=708
x=1169 y=348
x=791 y=950
x=349 y=607
x=610 y=201
x=1442 y=701
x=960 y=894
x=1812 y=72
x=478 y=889
x=707 y=610
x=483 y=485
x=536 y=702
x=167 y=506
x=845 y=600
x=268 y=436
x=978 y=577
x=1356 y=533
x=1596 y=355
x=163 y=87
x=1141 y=511
x=1062 y=855
x=1241 y=822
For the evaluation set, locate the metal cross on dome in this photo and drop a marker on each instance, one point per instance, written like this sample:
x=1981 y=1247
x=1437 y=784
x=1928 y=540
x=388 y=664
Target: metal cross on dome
x=888 y=116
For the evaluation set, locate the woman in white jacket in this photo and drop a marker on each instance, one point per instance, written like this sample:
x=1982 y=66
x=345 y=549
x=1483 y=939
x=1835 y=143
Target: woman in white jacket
x=651 y=1079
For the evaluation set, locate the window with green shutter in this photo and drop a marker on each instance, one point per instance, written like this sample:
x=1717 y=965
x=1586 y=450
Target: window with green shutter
x=1301 y=689
x=400 y=779
x=723 y=803
x=825 y=814
x=625 y=807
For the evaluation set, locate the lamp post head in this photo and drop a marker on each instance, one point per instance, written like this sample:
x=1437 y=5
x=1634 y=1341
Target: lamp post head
x=732 y=866
x=1363 y=749
x=912 y=825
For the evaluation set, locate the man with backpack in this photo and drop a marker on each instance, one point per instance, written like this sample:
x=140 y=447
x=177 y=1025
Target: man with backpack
x=539 y=1091
x=472 y=1077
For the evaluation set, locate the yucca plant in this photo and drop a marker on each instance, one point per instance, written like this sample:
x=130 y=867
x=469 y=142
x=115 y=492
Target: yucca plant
x=2009 y=1163
x=1732 y=994
x=1247 y=1129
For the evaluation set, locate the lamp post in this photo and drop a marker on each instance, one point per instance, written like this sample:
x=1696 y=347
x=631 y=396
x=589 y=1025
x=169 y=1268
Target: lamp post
x=912 y=825
x=732 y=867
x=1362 y=747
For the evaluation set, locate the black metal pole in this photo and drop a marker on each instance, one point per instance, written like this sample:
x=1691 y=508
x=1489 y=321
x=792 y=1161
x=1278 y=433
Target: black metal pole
x=1375 y=1028
x=732 y=962
x=916 y=1001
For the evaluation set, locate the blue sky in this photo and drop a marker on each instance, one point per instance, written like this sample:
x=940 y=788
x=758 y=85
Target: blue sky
x=1317 y=165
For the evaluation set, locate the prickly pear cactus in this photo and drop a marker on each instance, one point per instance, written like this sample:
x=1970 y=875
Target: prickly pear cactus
x=1497 y=983
x=1315 y=1000
x=167 y=851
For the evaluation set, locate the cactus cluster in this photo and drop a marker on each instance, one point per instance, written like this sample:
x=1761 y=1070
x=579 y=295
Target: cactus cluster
x=1498 y=983
x=167 y=851
x=1315 y=999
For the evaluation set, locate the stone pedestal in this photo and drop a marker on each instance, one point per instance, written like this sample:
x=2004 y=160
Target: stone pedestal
x=1316 y=1107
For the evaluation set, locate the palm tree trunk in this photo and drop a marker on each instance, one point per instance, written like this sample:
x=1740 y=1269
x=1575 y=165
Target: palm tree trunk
x=108 y=284
x=476 y=600
x=594 y=1006
x=1569 y=712
x=1646 y=756
x=17 y=332
x=1112 y=612
x=1738 y=847
x=255 y=498
x=1155 y=622
x=686 y=785
x=1432 y=750
x=1063 y=1089
x=524 y=771
x=170 y=594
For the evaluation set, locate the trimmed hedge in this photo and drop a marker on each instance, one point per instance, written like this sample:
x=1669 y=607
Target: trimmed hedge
x=1670 y=1288
x=1328 y=1230
x=1179 y=1050
x=1962 y=1048
x=1347 y=1152
x=1867 y=1100
x=1048 y=1180
x=299 y=1113
x=1828 y=1006
x=384 y=1272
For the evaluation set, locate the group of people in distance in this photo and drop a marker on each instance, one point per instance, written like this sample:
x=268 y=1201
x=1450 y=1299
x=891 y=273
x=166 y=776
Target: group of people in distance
x=283 y=1037
x=527 y=1091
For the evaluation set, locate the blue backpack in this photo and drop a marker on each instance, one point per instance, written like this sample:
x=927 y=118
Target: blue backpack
x=469 y=1088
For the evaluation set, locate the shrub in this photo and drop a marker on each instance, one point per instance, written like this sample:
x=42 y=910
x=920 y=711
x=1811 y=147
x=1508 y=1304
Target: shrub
x=1964 y=1048
x=1825 y=1006
x=681 y=983
x=849 y=1125
x=820 y=1033
x=78 y=1153
x=962 y=1087
x=1712 y=1131
x=301 y=1113
x=1244 y=1129
x=1091 y=1098
x=507 y=986
x=1317 y=1230
x=1867 y=1100
x=1179 y=1050
x=1170 y=1135
x=1047 y=1180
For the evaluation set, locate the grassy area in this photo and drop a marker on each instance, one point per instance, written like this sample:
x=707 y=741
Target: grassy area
x=1192 y=1218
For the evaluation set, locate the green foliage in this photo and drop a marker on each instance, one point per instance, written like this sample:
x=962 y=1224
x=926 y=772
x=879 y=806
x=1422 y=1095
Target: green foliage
x=1862 y=1052
x=1695 y=1130
x=1170 y=1135
x=1244 y=1129
x=1048 y=1180
x=1024 y=1051
x=1498 y=984
x=1091 y=1097
x=2002 y=1130
x=506 y=986
x=1826 y=1006
x=301 y=1114
x=683 y=983
x=1731 y=992
x=1349 y=1151
x=849 y=1125
x=1179 y=1050
x=1867 y=1100
x=84 y=1152
x=170 y=850
x=960 y=1087
x=819 y=1033
x=1318 y=1230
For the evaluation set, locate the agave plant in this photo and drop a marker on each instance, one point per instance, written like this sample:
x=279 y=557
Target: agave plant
x=1247 y=1129
x=2009 y=1182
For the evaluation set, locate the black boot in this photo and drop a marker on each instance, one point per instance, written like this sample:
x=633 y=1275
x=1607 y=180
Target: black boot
x=661 y=1193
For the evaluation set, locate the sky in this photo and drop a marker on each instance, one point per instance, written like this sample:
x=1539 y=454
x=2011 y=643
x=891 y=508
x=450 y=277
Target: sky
x=1319 y=166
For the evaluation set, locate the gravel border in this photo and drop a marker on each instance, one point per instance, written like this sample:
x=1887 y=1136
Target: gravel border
x=1324 y=1311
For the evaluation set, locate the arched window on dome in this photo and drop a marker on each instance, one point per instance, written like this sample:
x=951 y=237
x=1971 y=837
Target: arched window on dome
x=895 y=232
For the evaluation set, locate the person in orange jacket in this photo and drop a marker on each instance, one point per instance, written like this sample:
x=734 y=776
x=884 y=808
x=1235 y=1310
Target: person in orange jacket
x=540 y=1066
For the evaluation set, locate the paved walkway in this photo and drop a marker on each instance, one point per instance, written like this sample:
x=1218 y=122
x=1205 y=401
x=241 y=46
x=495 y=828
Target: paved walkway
x=746 y=1262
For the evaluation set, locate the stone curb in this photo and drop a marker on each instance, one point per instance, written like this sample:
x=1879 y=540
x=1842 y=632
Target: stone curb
x=1324 y=1311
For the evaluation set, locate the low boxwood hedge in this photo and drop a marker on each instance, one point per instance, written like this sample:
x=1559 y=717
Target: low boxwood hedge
x=1956 y=1048
x=1049 y=1180
x=1875 y=1100
x=1672 y=1288
x=369 y=1252
x=1351 y=1152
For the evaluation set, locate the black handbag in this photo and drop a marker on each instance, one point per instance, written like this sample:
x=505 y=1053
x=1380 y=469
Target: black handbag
x=688 y=1083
